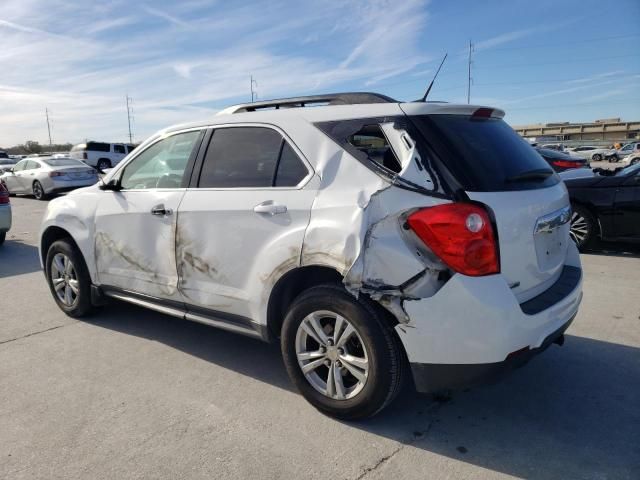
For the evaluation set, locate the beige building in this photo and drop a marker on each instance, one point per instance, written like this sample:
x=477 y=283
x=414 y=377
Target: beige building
x=605 y=131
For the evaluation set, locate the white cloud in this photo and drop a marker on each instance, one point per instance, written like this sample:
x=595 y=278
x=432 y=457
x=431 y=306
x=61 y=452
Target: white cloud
x=80 y=59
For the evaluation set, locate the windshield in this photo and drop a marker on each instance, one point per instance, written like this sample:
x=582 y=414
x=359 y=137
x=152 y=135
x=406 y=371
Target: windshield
x=63 y=162
x=485 y=154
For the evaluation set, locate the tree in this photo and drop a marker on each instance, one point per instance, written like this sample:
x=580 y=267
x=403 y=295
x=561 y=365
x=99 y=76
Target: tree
x=32 y=146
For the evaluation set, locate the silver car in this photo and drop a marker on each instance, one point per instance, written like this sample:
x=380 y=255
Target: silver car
x=45 y=176
x=5 y=213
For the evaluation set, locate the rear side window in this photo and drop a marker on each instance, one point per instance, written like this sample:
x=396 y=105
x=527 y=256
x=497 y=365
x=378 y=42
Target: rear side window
x=250 y=157
x=370 y=140
x=485 y=154
x=98 y=147
x=118 y=148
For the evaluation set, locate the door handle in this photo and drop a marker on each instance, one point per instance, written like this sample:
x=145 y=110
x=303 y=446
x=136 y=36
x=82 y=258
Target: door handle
x=160 y=211
x=270 y=207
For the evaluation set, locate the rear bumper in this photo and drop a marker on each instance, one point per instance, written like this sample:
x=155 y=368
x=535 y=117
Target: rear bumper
x=60 y=186
x=438 y=377
x=473 y=328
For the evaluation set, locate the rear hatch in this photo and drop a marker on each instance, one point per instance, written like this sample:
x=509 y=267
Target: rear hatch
x=496 y=167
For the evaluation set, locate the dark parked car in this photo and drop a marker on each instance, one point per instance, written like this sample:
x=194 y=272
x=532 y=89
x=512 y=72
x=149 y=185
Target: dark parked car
x=561 y=161
x=605 y=205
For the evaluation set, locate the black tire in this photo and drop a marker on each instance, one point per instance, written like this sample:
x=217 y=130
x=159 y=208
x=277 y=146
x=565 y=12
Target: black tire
x=103 y=164
x=83 y=305
x=38 y=191
x=597 y=157
x=3 y=236
x=583 y=227
x=386 y=359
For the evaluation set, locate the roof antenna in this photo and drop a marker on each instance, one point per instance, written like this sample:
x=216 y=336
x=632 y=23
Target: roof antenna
x=426 y=94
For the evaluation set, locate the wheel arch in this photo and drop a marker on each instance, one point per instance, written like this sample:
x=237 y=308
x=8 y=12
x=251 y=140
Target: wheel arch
x=50 y=235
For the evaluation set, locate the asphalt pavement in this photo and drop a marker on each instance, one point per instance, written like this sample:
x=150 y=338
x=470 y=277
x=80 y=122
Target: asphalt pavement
x=131 y=393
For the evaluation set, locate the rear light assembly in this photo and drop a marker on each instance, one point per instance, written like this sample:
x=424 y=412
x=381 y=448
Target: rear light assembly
x=56 y=174
x=4 y=194
x=567 y=164
x=461 y=235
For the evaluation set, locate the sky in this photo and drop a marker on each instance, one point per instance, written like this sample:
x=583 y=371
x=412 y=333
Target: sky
x=541 y=61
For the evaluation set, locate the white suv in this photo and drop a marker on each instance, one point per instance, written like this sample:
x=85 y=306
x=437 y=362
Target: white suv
x=372 y=238
x=101 y=155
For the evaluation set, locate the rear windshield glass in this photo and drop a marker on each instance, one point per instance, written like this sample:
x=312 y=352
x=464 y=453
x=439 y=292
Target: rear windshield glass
x=63 y=162
x=485 y=154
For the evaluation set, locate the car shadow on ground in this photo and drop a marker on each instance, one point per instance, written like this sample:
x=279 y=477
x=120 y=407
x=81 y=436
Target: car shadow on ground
x=571 y=412
x=613 y=249
x=17 y=258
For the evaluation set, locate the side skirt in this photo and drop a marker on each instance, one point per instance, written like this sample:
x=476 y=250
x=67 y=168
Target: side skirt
x=213 y=318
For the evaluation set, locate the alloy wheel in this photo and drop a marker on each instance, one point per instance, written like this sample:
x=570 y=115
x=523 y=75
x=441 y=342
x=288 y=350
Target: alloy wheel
x=37 y=190
x=332 y=355
x=579 y=230
x=65 y=280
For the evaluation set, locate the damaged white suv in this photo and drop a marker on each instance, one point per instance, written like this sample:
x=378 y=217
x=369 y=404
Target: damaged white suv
x=373 y=238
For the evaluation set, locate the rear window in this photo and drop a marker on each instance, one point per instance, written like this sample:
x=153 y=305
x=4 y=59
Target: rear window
x=63 y=162
x=485 y=154
x=98 y=147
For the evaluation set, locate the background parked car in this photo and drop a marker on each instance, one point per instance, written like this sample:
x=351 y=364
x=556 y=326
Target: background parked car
x=561 y=161
x=588 y=152
x=101 y=155
x=45 y=176
x=7 y=164
x=5 y=212
x=630 y=149
x=605 y=205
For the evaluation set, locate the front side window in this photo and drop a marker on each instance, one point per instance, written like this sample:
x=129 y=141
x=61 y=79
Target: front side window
x=162 y=165
x=250 y=157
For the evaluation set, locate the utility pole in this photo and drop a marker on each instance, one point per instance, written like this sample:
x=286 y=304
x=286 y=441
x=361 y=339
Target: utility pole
x=129 y=100
x=469 y=74
x=46 y=112
x=254 y=94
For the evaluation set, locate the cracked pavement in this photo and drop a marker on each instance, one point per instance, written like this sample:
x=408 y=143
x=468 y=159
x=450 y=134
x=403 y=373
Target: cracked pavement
x=135 y=394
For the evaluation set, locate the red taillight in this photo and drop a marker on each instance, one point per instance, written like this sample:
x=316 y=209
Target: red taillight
x=4 y=194
x=566 y=164
x=56 y=174
x=460 y=234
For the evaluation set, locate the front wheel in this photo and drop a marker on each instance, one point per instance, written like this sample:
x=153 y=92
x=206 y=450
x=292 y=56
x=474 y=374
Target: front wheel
x=341 y=353
x=583 y=227
x=68 y=278
x=597 y=157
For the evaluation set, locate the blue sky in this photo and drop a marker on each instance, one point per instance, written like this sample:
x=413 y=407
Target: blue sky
x=541 y=61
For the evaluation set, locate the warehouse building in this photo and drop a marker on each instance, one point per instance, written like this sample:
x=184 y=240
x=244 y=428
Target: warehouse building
x=606 y=132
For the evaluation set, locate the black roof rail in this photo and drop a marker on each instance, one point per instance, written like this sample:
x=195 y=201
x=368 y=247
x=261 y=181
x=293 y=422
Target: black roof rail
x=349 y=98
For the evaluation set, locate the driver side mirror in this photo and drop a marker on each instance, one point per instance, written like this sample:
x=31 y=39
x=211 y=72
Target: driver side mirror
x=112 y=185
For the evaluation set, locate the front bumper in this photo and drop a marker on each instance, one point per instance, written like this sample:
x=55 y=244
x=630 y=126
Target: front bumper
x=474 y=328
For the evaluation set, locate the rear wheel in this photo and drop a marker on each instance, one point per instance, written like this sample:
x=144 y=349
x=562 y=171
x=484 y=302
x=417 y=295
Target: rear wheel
x=597 y=157
x=38 y=191
x=68 y=278
x=103 y=164
x=583 y=227
x=341 y=353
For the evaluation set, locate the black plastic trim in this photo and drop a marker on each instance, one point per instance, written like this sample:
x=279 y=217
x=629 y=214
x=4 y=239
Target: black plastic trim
x=566 y=283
